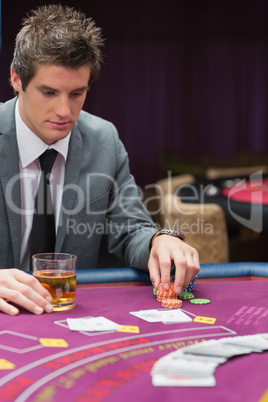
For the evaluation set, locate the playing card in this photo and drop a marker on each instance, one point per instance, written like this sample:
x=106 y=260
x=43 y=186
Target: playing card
x=152 y=315
x=180 y=364
x=174 y=316
x=256 y=343
x=217 y=348
x=92 y=324
x=163 y=381
x=194 y=365
x=165 y=316
x=184 y=367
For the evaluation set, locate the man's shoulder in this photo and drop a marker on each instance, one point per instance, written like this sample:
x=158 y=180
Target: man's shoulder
x=7 y=115
x=96 y=130
x=9 y=103
x=88 y=121
x=8 y=107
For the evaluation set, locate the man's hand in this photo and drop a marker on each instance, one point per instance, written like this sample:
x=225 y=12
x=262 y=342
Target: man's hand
x=168 y=249
x=24 y=290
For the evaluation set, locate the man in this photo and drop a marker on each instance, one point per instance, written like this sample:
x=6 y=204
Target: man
x=56 y=58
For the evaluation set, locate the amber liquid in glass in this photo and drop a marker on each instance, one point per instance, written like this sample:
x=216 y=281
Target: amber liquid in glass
x=61 y=285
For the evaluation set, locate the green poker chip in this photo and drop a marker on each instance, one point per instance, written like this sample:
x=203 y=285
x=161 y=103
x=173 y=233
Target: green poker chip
x=185 y=296
x=200 y=301
x=155 y=291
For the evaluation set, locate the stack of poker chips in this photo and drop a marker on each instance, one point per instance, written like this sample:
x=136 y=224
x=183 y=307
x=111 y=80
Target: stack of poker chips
x=170 y=299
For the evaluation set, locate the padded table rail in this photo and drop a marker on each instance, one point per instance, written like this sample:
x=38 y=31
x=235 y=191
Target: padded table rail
x=220 y=270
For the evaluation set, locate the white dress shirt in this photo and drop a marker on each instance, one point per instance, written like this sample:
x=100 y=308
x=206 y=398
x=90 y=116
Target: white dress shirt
x=30 y=148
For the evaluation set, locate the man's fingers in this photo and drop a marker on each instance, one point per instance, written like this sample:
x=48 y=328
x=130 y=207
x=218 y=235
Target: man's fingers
x=180 y=274
x=23 y=290
x=7 y=308
x=187 y=271
x=29 y=299
x=160 y=267
x=165 y=267
x=33 y=283
x=31 y=288
x=167 y=250
x=153 y=267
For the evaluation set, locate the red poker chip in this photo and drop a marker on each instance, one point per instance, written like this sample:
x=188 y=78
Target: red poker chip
x=171 y=303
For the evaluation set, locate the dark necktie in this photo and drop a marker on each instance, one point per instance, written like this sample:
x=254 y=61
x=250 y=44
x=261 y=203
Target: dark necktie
x=43 y=229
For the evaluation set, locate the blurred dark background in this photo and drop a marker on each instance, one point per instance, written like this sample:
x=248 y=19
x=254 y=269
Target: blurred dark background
x=185 y=82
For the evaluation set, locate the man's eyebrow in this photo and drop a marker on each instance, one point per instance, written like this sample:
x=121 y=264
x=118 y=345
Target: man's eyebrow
x=48 y=88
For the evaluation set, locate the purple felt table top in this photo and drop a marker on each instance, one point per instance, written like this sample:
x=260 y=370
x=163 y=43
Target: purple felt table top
x=116 y=366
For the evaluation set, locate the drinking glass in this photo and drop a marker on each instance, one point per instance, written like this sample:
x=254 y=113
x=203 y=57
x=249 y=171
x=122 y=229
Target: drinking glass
x=57 y=273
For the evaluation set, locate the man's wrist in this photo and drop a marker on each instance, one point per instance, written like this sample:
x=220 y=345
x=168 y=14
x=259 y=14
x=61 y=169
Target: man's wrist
x=168 y=232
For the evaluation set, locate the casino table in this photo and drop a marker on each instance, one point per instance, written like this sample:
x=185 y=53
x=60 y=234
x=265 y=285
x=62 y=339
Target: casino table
x=42 y=360
x=244 y=199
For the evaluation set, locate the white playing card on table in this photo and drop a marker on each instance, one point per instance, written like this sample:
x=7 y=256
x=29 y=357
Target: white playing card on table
x=92 y=324
x=163 y=381
x=165 y=316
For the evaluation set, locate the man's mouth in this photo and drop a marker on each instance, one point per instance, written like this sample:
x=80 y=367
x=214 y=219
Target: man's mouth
x=60 y=124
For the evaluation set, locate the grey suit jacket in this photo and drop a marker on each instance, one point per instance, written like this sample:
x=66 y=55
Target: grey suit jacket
x=100 y=196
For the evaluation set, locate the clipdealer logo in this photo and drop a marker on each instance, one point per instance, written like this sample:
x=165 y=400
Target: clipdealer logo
x=255 y=186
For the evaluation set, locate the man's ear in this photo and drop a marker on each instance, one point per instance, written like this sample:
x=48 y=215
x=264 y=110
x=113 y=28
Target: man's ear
x=15 y=81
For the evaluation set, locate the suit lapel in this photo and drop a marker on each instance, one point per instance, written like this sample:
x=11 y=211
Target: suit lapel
x=9 y=174
x=10 y=183
x=72 y=174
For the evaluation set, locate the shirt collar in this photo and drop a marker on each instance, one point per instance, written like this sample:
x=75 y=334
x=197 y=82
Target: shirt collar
x=25 y=136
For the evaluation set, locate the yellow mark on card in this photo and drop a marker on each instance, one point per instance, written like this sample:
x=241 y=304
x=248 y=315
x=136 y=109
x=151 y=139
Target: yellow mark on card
x=6 y=365
x=53 y=343
x=264 y=397
x=205 y=320
x=129 y=328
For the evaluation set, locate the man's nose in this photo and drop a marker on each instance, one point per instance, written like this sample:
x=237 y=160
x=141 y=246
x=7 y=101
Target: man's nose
x=63 y=107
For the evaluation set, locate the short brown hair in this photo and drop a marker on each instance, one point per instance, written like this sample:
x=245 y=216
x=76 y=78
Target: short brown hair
x=60 y=35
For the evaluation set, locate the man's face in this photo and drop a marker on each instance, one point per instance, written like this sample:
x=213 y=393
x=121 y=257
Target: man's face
x=53 y=99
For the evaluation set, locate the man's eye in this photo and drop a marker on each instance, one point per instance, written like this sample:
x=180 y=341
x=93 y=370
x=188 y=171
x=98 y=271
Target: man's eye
x=76 y=94
x=48 y=93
